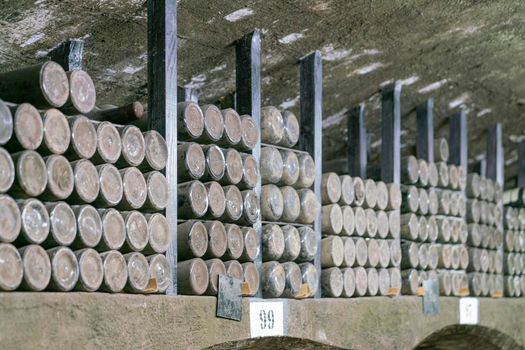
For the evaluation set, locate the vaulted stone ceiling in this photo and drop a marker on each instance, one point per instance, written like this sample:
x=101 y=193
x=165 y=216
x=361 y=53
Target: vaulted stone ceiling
x=459 y=52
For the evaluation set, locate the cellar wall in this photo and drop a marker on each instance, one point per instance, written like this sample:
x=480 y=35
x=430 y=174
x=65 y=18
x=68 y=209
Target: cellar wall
x=89 y=321
x=466 y=51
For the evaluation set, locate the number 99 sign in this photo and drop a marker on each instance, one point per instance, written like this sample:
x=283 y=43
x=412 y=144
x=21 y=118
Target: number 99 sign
x=266 y=319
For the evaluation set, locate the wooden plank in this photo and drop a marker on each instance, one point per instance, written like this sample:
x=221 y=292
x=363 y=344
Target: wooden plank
x=425 y=130
x=391 y=133
x=311 y=95
x=357 y=143
x=248 y=101
x=162 y=92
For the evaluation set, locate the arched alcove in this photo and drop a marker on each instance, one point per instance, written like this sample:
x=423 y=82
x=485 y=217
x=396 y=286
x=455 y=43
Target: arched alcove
x=274 y=343
x=456 y=337
x=459 y=337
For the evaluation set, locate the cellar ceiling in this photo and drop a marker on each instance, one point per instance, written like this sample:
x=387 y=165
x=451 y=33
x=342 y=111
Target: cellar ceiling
x=462 y=53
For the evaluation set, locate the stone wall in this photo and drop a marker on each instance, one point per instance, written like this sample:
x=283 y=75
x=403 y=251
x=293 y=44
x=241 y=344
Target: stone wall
x=104 y=321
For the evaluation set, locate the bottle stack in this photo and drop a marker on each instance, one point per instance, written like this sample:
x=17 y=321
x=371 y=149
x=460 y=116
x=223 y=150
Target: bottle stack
x=81 y=197
x=485 y=225
x=514 y=258
x=217 y=206
x=289 y=209
x=433 y=229
x=360 y=253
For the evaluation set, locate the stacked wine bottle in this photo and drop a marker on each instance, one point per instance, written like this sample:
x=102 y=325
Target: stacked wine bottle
x=433 y=229
x=217 y=206
x=83 y=202
x=514 y=259
x=360 y=252
x=485 y=218
x=289 y=208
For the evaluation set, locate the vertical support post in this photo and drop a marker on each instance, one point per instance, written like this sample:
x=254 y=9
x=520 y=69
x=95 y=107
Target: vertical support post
x=425 y=131
x=187 y=94
x=311 y=96
x=162 y=92
x=521 y=164
x=458 y=139
x=391 y=133
x=495 y=153
x=480 y=167
x=357 y=144
x=368 y=145
x=68 y=54
x=228 y=101
x=495 y=164
x=248 y=86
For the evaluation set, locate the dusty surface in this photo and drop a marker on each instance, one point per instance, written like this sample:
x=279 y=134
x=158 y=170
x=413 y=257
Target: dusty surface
x=459 y=51
x=104 y=321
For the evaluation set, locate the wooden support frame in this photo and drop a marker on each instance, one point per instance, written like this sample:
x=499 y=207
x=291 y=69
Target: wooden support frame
x=425 y=130
x=391 y=133
x=162 y=106
x=357 y=143
x=458 y=142
x=248 y=92
x=311 y=97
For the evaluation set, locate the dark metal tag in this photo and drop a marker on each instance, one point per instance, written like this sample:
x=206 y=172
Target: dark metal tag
x=431 y=305
x=229 y=298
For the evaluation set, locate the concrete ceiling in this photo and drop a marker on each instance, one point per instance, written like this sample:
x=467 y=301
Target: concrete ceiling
x=459 y=52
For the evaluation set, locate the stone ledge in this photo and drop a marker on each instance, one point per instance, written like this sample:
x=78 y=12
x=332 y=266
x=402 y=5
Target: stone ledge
x=105 y=321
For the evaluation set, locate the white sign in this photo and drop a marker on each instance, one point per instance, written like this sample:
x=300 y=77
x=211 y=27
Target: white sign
x=266 y=318
x=468 y=311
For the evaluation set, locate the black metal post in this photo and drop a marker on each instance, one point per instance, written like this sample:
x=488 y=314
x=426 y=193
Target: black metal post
x=458 y=142
x=311 y=96
x=495 y=153
x=357 y=145
x=68 y=54
x=521 y=164
x=162 y=92
x=248 y=85
x=425 y=131
x=391 y=133
x=495 y=164
x=480 y=167
x=187 y=94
